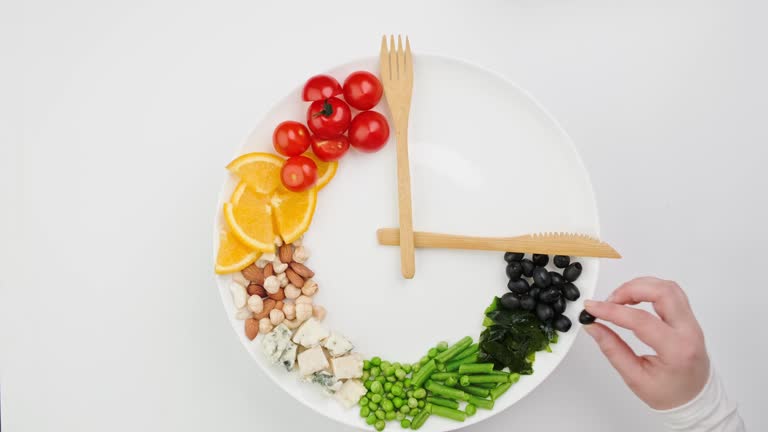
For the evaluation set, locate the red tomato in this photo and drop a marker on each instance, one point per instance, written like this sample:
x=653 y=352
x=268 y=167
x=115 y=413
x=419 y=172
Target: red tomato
x=328 y=118
x=330 y=149
x=369 y=131
x=299 y=173
x=362 y=90
x=321 y=87
x=291 y=138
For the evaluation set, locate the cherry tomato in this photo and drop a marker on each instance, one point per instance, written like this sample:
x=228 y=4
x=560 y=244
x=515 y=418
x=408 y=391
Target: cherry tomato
x=369 y=131
x=299 y=173
x=328 y=118
x=291 y=138
x=362 y=90
x=331 y=149
x=321 y=87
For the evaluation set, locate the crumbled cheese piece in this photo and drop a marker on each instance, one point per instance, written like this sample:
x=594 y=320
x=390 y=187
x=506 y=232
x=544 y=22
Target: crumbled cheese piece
x=337 y=345
x=311 y=361
x=276 y=342
x=350 y=393
x=289 y=356
x=311 y=333
x=327 y=381
x=350 y=366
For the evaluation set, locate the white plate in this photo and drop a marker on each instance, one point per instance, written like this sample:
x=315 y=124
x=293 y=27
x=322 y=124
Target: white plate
x=486 y=159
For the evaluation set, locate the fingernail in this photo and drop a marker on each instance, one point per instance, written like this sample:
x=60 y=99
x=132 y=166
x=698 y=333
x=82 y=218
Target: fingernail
x=589 y=303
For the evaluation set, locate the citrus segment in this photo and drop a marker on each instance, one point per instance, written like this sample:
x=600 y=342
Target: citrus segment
x=249 y=216
x=260 y=171
x=293 y=212
x=233 y=255
x=325 y=170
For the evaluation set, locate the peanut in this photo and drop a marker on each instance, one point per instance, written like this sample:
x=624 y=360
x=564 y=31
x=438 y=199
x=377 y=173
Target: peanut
x=310 y=288
x=251 y=328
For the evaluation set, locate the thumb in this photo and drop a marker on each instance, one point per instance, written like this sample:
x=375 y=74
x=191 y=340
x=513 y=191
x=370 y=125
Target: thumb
x=618 y=353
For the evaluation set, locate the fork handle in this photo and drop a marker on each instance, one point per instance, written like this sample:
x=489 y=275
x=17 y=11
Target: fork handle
x=407 y=255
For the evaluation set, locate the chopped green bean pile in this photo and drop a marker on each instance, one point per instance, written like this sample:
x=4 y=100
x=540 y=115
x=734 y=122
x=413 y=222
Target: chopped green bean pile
x=446 y=382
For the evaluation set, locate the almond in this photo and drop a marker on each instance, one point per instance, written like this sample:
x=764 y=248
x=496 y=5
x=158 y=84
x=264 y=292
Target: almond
x=269 y=304
x=268 y=270
x=279 y=305
x=251 y=328
x=256 y=289
x=302 y=270
x=279 y=295
x=254 y=274
x=294 y=278
x=286 y=253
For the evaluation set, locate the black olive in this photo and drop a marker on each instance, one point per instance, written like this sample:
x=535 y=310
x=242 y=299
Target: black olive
x=586 y=317
x=541 y=277
x=561 y=261
x=535 y=292
x=514 y=270
x=540 y=259
x=510 y=302
x=561 y=323
x=557 y=278
x=527 y=302
x=518 y=286
x=549 y=295
x=513 y=256
x=572 y=272
x=544 y=311
x=528 y=267
x=559 y=305
x=570 y=291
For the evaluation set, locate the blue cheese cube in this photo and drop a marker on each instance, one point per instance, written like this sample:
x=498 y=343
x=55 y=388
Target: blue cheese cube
x=337 y=345
x=326 y=380
x=350 y=393
x=288 y=358
x=311 y=333
x=274 y=343
x=350 y=366
x=311 y=361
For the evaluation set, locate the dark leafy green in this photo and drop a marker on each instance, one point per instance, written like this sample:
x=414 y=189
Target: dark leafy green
x=511 y=338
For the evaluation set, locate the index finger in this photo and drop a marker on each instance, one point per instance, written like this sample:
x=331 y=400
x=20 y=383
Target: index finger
x=668 y=299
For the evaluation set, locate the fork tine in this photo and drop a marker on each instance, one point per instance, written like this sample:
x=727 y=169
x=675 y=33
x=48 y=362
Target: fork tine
x=408 y=58
x=393 y=68
x=400 y=57
x=386 y=70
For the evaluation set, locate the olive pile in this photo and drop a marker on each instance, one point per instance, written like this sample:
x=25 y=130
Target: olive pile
x=534 y=288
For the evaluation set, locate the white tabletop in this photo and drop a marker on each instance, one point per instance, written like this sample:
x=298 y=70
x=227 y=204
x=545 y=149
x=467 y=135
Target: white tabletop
x=120 y=118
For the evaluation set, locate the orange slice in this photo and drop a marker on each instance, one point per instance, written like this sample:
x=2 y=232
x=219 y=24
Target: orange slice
x=325 y=170
x=293 y=212
x=260 y=171
x=249 y=216
x=233 y=255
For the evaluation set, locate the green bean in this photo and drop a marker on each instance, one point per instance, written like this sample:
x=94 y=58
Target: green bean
x=470 y=410
x=451 y=352
x=476 y=368
x=472 y=349
x=441 y=367
x=424 y=360
x=454 y=365
x=513 y=378
x=451 y=381
x=449 y=403
x=480 y=402
x=432 y=353
x=423 y=374
x=442 y=346
x=487 y=385
x=473 y=379
x=419 y=420
x=500 y=390
x=450 y=413
x=442 y=376
x=476 y=391
x=445 y=391
x=498 y=372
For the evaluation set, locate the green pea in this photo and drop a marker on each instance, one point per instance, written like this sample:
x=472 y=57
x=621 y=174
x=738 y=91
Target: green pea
x=363 y=401
x=376 y=361
x=396 y=365
x=366 y=364
x=387 y=405
x=399 y=416
x=409 y=393
x=365 y=412
x=390 y=396
x=419 y=393
x=405 y=409
x=367 y=384
x=391 y=379
x=376 y=398
x=380 y=425
x=391 y=415
x=387 y=386
x=390 y=371
x=371 y=419
x=432 y=353
x=365 y=376
x=405 y=424
x=415 y=368
x=421 y=404
x=400 y=374
x=385 y=364
x=380 y=379
x=407 y=368
x=375 y=371
x=380 y=414
x=414 y=413
x=413 y=403
x=397 y=402
x=373 y=406
x=376 y=387
x=397 y=390
x=407 y=382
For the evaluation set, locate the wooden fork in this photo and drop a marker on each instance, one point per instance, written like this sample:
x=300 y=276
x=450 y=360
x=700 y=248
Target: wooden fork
x=397 y=78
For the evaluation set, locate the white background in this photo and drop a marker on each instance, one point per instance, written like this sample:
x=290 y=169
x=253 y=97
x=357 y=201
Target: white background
x=116 y=119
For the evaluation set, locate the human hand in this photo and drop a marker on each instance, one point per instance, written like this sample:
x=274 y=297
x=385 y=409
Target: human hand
x=680 y=368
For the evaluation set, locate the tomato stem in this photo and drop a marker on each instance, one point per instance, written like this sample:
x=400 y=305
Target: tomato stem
x=327 y=110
